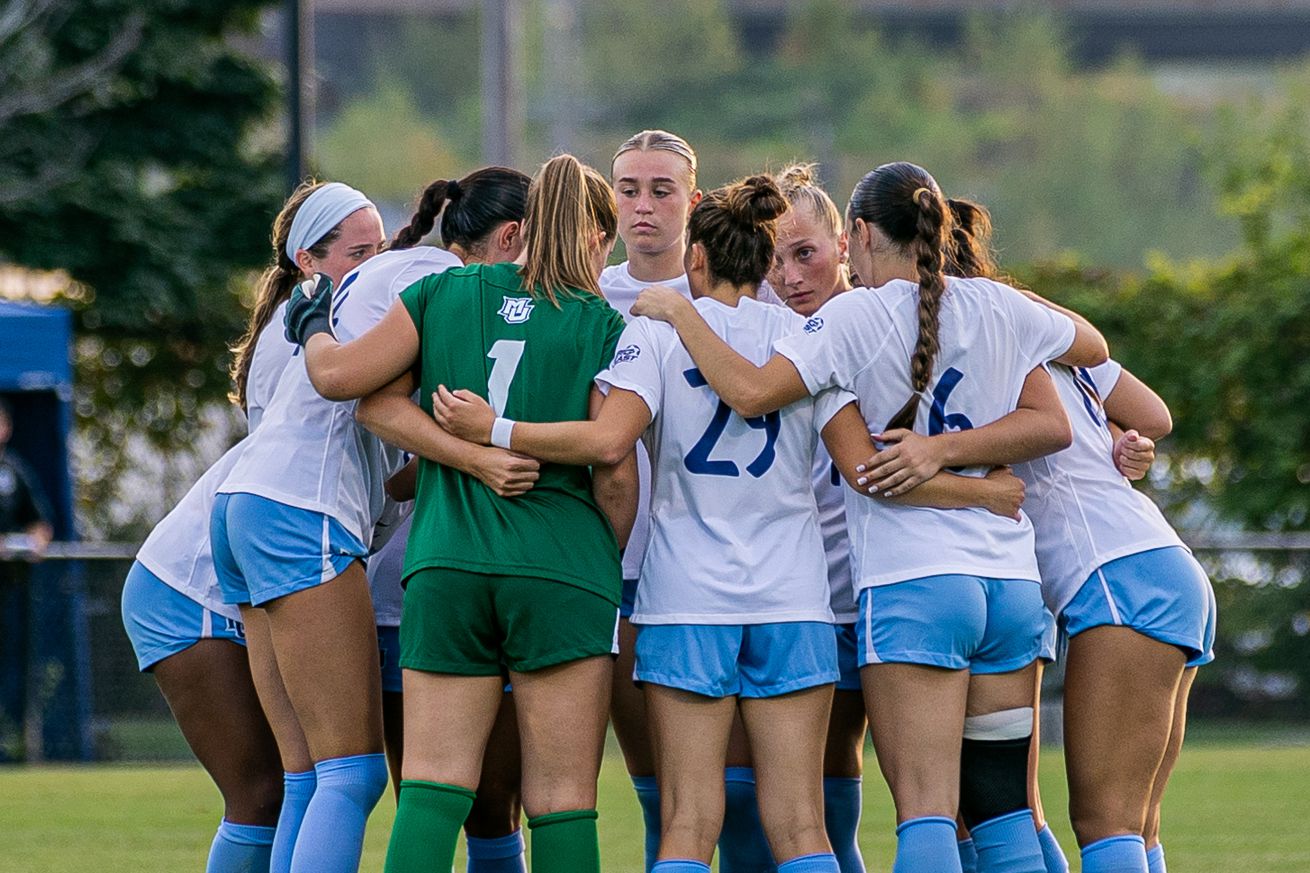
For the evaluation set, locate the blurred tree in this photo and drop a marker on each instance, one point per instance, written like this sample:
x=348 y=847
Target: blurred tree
x=130 y=157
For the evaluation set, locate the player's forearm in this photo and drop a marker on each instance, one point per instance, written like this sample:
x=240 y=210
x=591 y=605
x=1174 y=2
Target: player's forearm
x=398 y=420
x=579 y=443
x=616 y=492
x=737 y=381
x=947 y=491
x=328 y=364
x=1022 y=435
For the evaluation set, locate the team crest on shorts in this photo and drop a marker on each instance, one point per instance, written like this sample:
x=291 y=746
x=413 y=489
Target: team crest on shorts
x=814 y=325
x=516 y=310
x=627 y=355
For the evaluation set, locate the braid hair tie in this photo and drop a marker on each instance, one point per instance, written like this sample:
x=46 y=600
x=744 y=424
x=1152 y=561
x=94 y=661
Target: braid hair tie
x=918 y=191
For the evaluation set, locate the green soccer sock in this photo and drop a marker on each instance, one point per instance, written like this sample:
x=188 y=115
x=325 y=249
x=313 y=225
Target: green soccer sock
x=564 y=842
x=428 y=821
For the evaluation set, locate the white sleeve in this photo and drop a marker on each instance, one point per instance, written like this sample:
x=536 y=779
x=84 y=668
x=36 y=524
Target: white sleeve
x=815 y=351
x=1043 y=334
x=358 y=305
x=827 y=404
x=1106 y=376
x=636 y=365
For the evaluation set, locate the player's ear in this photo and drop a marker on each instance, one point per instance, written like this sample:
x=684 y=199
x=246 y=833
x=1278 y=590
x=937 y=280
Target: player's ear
x=697 y=259
x=695 y=199
x=509 y=237
x=305 y=261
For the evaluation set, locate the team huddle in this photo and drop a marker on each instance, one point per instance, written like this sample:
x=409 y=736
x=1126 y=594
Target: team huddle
x=783 y=477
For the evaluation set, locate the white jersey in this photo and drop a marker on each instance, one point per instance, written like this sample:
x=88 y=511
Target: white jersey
x=620 y=290
x=386 y=564
x=177 y=550
x=734 y=535
x=830 y=496
x=272 y=353
x=309 y=452
x=991 y=338
x=1085 y=513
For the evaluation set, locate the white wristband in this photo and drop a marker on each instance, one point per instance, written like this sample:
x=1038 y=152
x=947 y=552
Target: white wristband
x=501 y=429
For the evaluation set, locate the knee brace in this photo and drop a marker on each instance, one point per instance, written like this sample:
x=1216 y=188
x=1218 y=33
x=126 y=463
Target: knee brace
x=994 y=764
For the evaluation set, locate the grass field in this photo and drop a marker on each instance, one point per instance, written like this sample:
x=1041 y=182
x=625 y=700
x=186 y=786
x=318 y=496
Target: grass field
x=1239 y=801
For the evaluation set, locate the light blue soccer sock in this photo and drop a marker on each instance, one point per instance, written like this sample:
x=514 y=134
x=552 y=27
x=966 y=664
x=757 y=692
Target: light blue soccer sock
x=297 y=789
x=239 y=848
x=496 y=854
x=1123 y=854
x=927 y=845
x=1053 y=855
x=968 y=856
x=1008 y=844
x=819 y=863
x=743 y=847
x=332 y=835
x=648 y=795
x=679 y=866
x=1155 y=858
x=842 y=800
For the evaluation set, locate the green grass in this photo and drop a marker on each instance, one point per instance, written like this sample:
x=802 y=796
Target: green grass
x=1238 y=801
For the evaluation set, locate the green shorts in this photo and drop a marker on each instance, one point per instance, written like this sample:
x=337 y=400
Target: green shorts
x=476 y=624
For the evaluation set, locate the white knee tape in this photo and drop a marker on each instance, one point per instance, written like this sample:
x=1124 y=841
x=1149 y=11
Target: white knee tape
x=1008 y=724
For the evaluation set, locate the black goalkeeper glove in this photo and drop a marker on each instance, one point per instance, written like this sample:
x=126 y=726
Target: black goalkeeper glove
x=309 y=311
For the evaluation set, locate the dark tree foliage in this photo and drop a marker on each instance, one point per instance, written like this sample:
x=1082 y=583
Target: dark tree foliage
x=126 y=160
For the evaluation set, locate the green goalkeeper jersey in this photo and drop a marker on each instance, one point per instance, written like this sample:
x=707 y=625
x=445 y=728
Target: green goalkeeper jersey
x=479 y=329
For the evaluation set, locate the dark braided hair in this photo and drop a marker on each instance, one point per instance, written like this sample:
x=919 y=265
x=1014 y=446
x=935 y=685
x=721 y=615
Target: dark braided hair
x=470 y=208
x=904 y=202
x=970 y=252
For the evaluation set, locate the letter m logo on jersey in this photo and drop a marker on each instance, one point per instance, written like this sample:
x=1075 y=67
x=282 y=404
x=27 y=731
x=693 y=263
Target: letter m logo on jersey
x=515 y=310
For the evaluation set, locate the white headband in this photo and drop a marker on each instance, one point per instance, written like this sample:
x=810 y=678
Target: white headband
x=322 y=211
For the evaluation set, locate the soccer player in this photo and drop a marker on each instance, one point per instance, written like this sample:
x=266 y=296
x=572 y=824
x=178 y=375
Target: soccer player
x=951 y=618
x=809 y=269
x=530 y=585
x=289 y=529
x=181 y=630
x=481 y=221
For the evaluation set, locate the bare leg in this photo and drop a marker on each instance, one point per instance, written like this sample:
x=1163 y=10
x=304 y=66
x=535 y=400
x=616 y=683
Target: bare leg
x=209 y=688
x=325 y=642
x=1120 y=694
x=691 y=744
x=788 y=735
x=1171 y=753
x=628 y=708
x=496 y=810
x=844 y=754
x=562 y=731
x=273 y=697
x=916 y=715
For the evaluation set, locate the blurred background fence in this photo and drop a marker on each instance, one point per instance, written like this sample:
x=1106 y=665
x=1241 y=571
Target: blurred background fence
x=80 y=696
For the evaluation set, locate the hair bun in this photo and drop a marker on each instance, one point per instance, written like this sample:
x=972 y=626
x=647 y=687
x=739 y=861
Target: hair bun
x=755 y=200
x=798 y=176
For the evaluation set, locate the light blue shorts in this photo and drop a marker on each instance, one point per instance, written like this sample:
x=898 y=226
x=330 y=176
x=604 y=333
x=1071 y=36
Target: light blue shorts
x=628 y=599
x=264 y=550
x=389 y=658
x=955 y=622
x=848 y=657
x=1050 y=638
x=1161 y=593
x=162 y=621
x=752 y=660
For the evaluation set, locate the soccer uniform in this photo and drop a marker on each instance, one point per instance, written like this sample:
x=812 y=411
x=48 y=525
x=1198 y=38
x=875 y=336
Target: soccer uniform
x=734 y=594
x=488 y=579
x=621 y=291
x=1107 y=555
x=171 y=598
x=301 y=503
x=385 y=569
x=960 y=588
